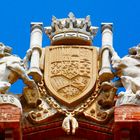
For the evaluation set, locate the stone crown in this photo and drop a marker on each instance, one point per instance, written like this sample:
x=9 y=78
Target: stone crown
x=71 y=28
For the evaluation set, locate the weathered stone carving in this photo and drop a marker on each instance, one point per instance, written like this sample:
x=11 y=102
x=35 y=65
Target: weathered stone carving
x=70 y=123
x=10 y=99
x=31 y=95
x=69 y=73
x=34 y=52
x=42 y=112
x=127 y=69
x=71 y=30
x=105 y=73
x=66 y=76
x=11 y=68
x=60 y=108
x=102 y=108
x=73 y=82
x=70 y=84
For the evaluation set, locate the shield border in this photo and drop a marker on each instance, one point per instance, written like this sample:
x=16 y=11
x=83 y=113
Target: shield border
x=86 y=92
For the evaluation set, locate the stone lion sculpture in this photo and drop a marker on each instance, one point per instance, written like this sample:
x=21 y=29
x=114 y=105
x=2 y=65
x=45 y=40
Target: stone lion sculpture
x=11 y=69
x=128 y=70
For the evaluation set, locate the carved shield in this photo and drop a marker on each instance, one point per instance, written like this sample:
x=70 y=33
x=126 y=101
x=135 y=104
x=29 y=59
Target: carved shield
x=70 y=72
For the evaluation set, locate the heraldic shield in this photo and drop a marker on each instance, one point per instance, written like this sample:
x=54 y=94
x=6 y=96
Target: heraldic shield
x=70 y=72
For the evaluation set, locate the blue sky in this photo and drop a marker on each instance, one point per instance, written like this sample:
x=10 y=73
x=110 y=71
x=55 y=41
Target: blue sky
x=16 y=16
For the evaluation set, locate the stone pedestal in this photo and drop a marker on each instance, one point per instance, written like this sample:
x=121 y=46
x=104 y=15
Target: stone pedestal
x=10 y=122
x=127 y=122
x=10 y=118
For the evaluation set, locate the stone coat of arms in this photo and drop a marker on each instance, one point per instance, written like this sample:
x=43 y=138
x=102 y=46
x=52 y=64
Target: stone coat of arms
x=69 y=78
x=70 y=72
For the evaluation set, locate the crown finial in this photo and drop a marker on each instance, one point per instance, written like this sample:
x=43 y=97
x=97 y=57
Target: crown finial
x=71 y=30
x=53 y=18
x=71 y=15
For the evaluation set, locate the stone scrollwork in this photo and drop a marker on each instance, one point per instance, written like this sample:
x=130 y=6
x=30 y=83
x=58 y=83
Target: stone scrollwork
x=102 y=109
x=42 y=112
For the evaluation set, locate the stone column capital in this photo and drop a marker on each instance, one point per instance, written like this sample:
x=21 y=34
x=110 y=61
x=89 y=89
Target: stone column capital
x=106 y=26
